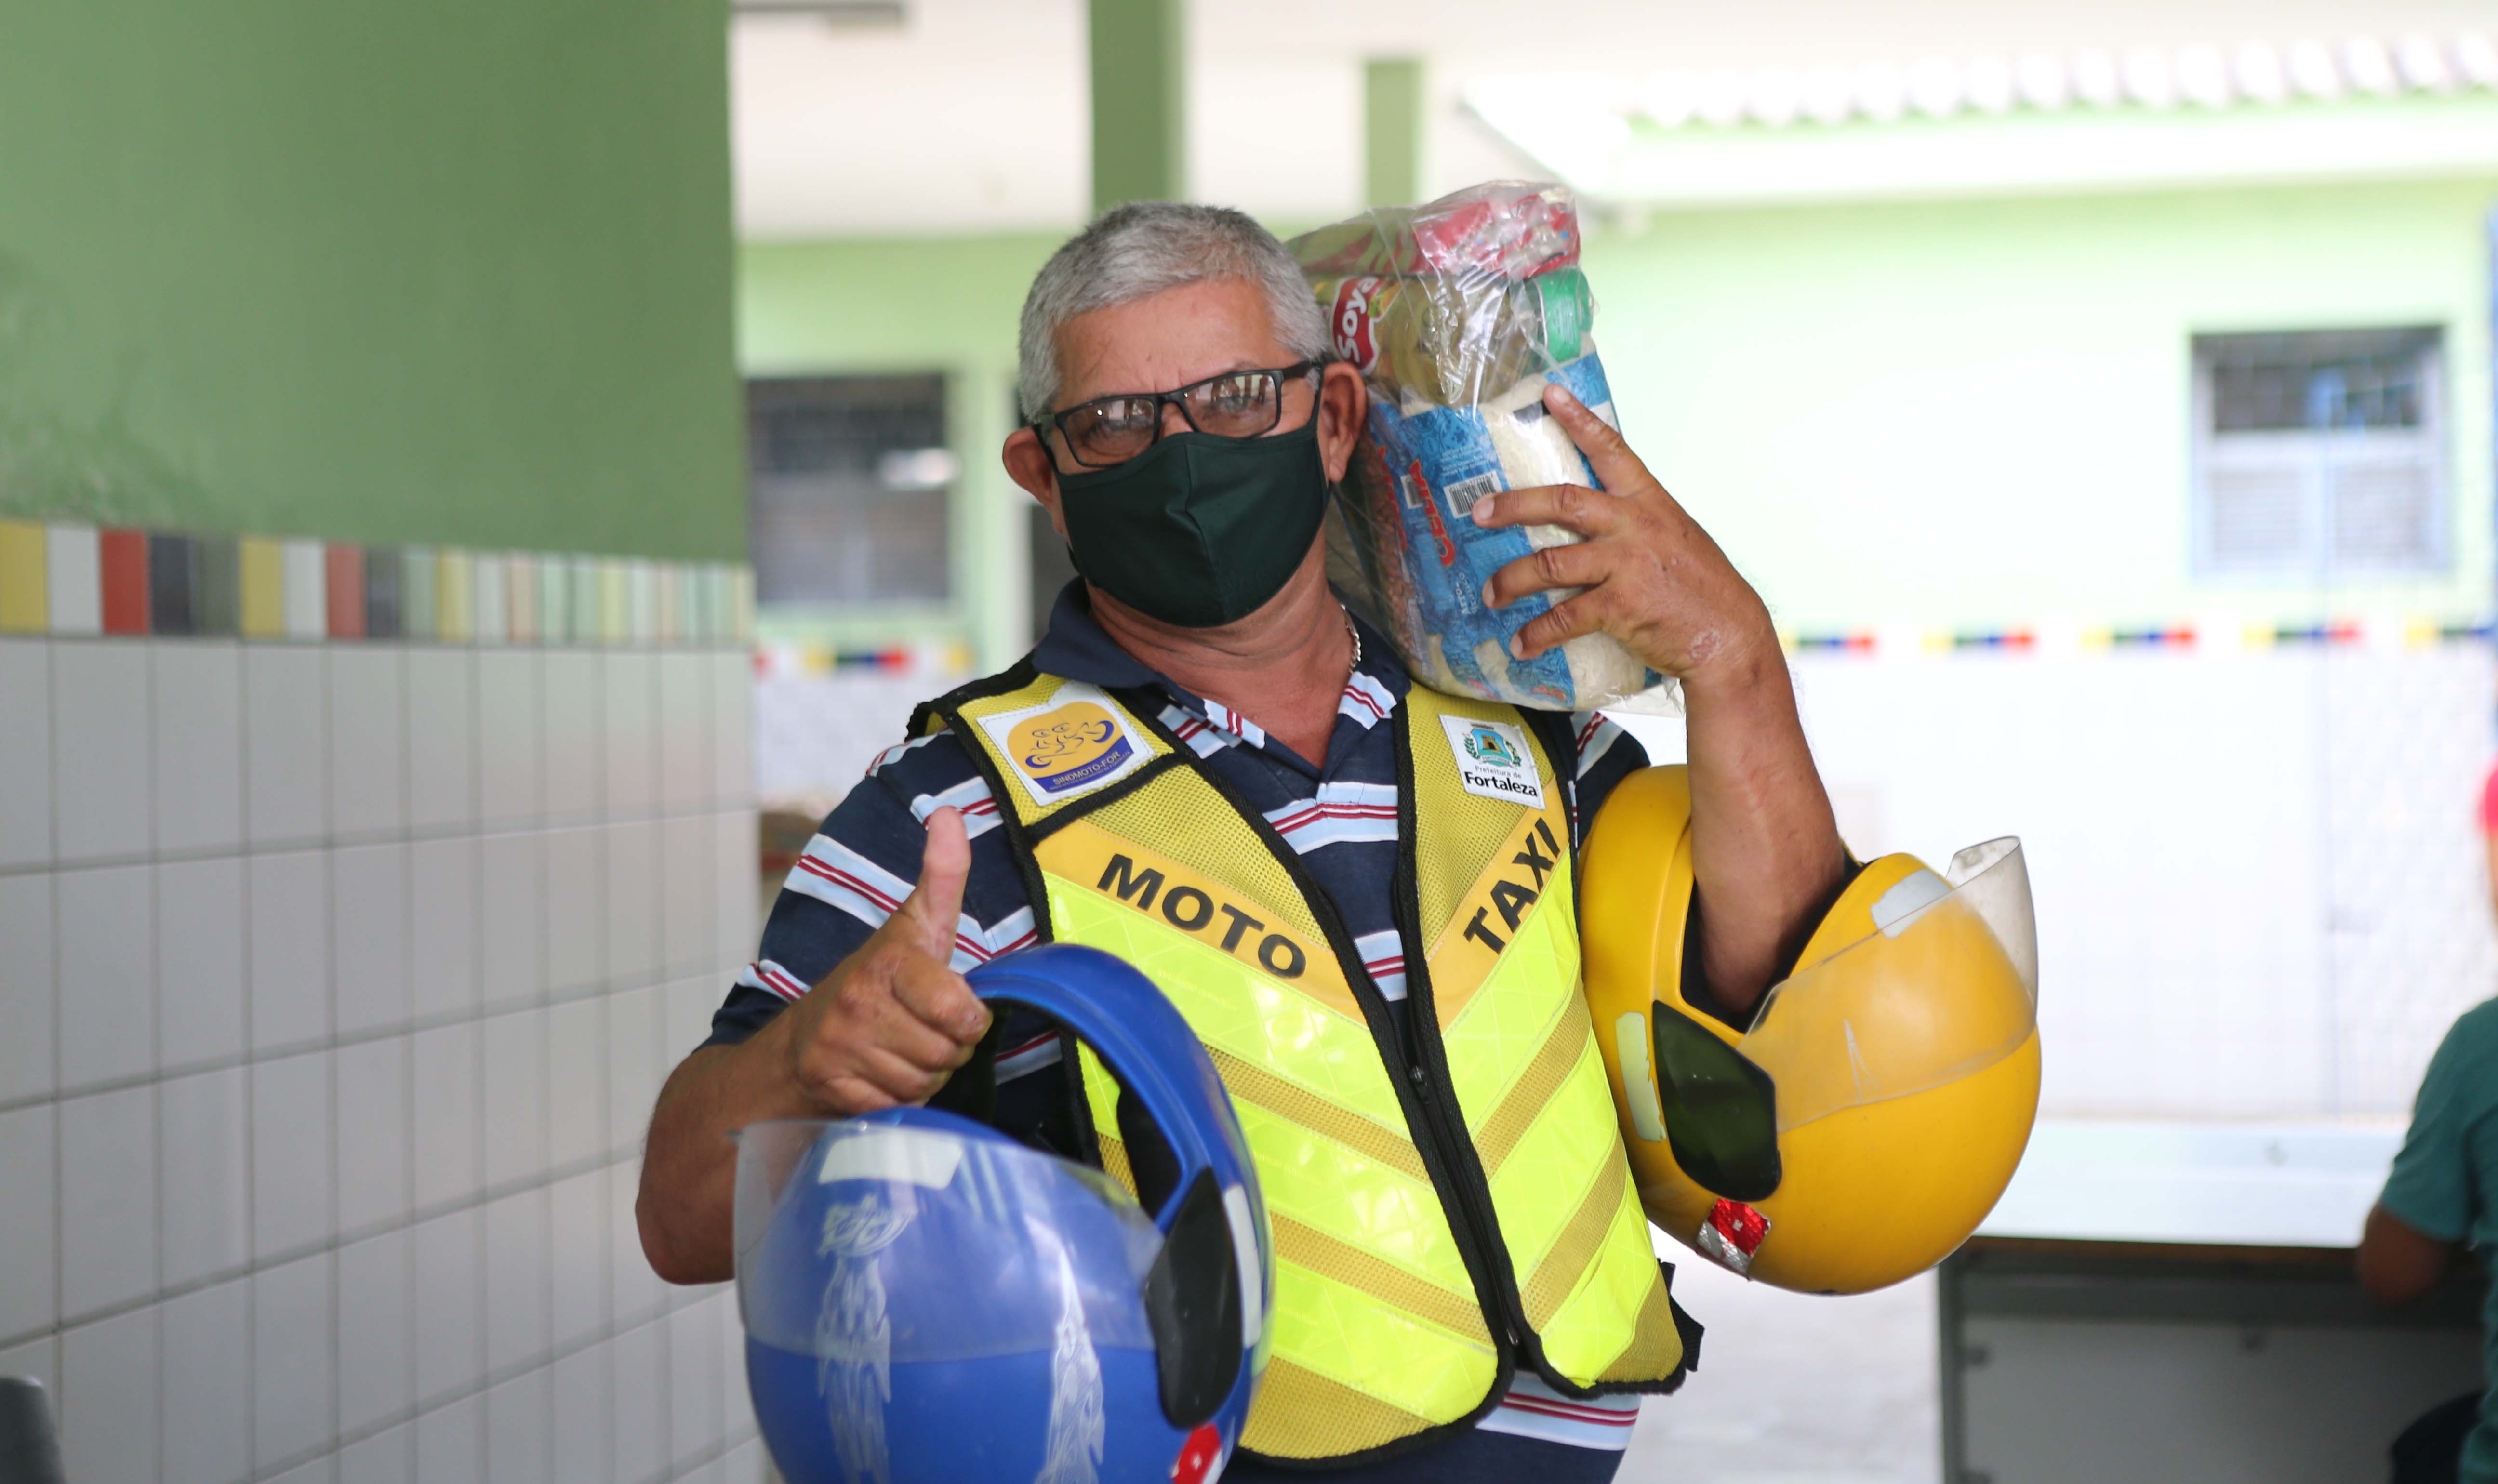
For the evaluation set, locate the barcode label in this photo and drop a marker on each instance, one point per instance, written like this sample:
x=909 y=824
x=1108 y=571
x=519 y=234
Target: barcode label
x=1463 y=494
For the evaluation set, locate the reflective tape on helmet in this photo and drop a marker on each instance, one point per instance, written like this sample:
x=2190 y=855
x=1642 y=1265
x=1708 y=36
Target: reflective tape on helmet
x=1733 y=1233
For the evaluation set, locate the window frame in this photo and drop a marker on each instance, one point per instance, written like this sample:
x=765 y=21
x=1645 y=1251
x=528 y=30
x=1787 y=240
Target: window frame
x=2314 y=455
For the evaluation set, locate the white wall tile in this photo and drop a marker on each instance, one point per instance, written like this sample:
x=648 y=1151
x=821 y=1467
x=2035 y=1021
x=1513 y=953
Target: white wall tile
x=376 y=1335
x=630 y=736
x=441 y=738
x=291 y=1145
x=632 y=859
x=108 y=1398
x=370 y=899
x=25 y=754
x=206 y=1400
x=576 y=1081
x=442 y=926
x=633 y=1069
x=205 y=1142
x=388 y=1457
x=694 y=1380
x=446 y=1098
x=577 y=1253
x=286 y=754
x=636 y=1293
x=29 y=997
x=292 y=1394
x=736 y=1400
x=685 y=727
x=575 y=896
x=516 y=1280
x=28 y=1298
x=290 y=948
x=201 y=925
x=688 y=896
x=577 y=1417
x=517 y=1431
x=368 y=739
x=574 y=716
x=746 y=1464
x=108 y=1183
x=373 y=1134
x=101 y=773
x=739 y=860
x=637 y=1369
x=74 y=593
x=198 y=744
x=107 y=955
x=450 y=1354
x=511 y=744
x=516 y=1106
x=450 y=1444
x=732 y=747
x=307 y=591
x=512 y=924
x=688 y=1008
x=319 y=1470
x=40 y=1359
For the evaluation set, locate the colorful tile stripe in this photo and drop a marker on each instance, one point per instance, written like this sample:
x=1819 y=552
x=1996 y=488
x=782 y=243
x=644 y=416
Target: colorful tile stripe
x=2408 y=631
x=938 y=659
x=66 y=580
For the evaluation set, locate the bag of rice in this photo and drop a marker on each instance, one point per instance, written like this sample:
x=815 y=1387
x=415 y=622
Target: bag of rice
x=1457 y=314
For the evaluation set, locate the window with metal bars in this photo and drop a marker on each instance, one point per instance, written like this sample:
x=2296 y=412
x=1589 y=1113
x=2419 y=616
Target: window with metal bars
x=2319 y=454
x=848 y=485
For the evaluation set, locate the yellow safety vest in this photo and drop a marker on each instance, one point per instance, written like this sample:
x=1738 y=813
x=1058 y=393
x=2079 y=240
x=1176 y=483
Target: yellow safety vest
x=1423 y=1207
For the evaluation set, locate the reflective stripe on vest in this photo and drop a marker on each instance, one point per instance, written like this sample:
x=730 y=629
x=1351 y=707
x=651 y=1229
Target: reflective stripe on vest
x=1379 y=1330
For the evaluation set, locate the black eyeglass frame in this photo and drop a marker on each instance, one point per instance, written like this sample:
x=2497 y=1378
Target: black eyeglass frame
x=1176 y=397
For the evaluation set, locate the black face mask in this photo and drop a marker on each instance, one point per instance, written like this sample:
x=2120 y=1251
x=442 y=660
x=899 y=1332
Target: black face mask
x=1198 y=529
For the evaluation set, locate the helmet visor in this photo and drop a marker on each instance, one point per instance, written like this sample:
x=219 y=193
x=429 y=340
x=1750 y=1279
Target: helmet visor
x=886 y=1243
x=1945 y=986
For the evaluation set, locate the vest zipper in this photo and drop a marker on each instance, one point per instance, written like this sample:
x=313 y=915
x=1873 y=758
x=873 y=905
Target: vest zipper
x=1448 y=1132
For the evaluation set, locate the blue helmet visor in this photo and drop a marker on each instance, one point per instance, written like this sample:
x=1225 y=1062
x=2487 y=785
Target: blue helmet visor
x=886 y=1244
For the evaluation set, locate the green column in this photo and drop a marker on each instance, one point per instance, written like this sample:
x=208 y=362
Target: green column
x=1391 y=119
x=1140 y=101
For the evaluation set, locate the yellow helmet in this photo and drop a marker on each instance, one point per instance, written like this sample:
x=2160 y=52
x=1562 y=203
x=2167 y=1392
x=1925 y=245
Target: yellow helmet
x=1865 y=1122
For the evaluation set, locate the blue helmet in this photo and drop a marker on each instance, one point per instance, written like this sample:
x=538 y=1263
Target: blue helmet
x=926 y=1299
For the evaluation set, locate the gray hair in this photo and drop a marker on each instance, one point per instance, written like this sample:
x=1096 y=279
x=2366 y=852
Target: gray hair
x=1142 y=249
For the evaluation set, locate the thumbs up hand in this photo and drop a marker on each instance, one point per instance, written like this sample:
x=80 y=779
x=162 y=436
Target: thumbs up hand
x=893 y=1021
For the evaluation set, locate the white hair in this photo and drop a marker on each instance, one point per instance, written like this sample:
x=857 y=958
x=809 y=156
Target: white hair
x=1142 y=249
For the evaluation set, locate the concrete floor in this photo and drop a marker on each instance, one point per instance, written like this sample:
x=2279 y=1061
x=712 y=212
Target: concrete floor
x=1796 y=1389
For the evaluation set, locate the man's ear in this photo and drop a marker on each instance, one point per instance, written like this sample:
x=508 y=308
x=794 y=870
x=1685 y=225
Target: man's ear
x=1342 y=402
x=1029 y=465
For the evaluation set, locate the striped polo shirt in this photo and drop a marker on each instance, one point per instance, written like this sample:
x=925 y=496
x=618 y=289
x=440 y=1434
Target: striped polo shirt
x=1339 y=814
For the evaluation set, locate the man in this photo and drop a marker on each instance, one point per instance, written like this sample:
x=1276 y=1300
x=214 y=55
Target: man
x=1204 y=727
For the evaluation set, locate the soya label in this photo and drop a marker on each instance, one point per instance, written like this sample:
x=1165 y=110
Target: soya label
x=1069 y=746
x=1494 y=761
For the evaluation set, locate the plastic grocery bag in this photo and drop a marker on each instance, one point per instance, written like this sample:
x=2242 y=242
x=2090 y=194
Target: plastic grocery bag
x=1457 y=314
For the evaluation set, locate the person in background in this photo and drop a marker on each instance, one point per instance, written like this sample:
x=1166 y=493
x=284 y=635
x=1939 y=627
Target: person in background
x=2442 y=1197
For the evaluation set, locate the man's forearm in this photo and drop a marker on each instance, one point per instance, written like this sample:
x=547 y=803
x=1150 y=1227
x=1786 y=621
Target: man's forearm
x=690 y=1163
x=1765 y=848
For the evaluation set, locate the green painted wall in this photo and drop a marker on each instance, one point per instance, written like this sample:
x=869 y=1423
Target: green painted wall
x=1977 y=412
x=457 y=273
x=1953 y=414
x=1139 y=53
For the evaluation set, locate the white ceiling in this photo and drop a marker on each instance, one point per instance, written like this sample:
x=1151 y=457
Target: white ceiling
x=973 y=116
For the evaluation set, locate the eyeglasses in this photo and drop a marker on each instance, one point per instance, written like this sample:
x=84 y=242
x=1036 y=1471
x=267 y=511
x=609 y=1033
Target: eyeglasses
x=1113 y=429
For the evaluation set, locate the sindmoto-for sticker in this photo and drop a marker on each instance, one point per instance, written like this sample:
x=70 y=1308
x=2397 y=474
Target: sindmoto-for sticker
x=1068 y=746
